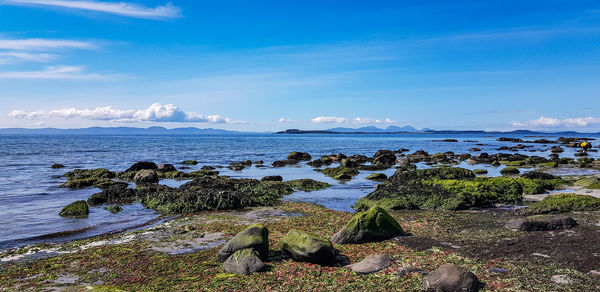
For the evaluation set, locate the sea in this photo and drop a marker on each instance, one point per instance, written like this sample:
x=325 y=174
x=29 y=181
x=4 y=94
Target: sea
x=31 y=199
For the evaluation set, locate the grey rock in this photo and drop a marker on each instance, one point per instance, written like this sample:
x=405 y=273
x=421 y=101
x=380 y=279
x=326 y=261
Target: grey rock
x=371 y=264
x=255 y=237
x=450 y=278
x=146 y=176
x=541 y=223
x=243 y=261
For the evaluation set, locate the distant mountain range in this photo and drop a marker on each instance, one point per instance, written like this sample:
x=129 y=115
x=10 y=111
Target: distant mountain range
x=372 y=129
x=410 y=129
x=118 y=131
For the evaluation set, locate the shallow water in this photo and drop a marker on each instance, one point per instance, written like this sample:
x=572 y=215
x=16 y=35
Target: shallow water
x=31 y=199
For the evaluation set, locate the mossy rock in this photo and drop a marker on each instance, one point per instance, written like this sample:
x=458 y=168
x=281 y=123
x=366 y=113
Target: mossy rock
x=514 y=163
x=377 y=176
x=306 y=184
x=589 y=182
x=563 y=203
x=372 y=225
x=244 y=262
x=480 y=171
x=189 y=162
x=82 y=178
x=295 y=155
x=340 y=172
x=551 y=164
x=75 y=209
x=113 y=209
x=509 y=171
x=495 y=163
x=255 y=237
x=117 y=194
x=306 y=247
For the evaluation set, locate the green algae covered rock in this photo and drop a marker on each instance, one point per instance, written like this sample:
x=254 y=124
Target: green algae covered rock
x=563 y=203
x=75 y=209
x=147 y=176
x=377 y=176
x=306 y=184
x=372 y=225
x=480 y=171
x=305 y=247
x=113 y=209
x=244 y=261
x=295 y=155
x=589 y=182
x=509 y=171
x=340 y=172
x=82 y=178
x=255 y=237
x=189 y=162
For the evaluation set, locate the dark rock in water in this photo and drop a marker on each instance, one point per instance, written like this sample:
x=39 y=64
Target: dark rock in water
x=299 y=156
x=282 y=163
x=557 y=149
x=113 y=209
x=244 y=262
x=445 y=140
x=258 y=162
x=146 y=176
x=75 y=209
x=57 y=165
x=340 y=172
x=384 y=157
x=272 y=178
x=305 y=247
x=515 y=140
x=538 y=175
x=166 y=167
x=377 y=177
x=255 y=237
x=349 y=163
x=372 y=225
x=81 y=178
x=480 y=171
x=544 y=141
x=246 y=162
x=371 y=264
x=450 y=278
x=316 y=163
x=236 y=167
x=117 y=194
x=509 y=171
x=142 y=165
x=541 y=223
x=495 y=163
x=475 y=149
x=189 y=162
x=306 y=184
x=207 y=167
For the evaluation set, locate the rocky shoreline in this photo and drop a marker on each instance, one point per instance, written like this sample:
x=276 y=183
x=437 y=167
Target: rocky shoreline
x=443 y=227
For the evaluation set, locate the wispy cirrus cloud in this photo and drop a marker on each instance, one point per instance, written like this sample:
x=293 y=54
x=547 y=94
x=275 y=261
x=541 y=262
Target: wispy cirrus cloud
x=342 y=120
x=59 y=72
x=36 y=44
x=546 y=122
x=118 y=8
x=168 y=113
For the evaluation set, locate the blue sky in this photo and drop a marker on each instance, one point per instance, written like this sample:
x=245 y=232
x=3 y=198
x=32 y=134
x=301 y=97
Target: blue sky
x=272 y=65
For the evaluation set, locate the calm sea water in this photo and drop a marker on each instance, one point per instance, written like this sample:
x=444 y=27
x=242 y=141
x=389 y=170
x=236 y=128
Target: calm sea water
x=30 y=198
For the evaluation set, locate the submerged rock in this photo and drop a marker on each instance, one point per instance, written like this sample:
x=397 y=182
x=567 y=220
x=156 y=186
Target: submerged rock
x=57 y=165
x=305 y=247
x=142 y=165
x=372 y=225
x=113 y=209
x=340 y=172
x=82 y=178
x=255 y=237
x=75 y=209
x=371 y=264
x=450 y=278
x=541 y=223
x=244 y=261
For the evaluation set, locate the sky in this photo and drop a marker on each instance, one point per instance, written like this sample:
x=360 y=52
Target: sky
x=273 y=65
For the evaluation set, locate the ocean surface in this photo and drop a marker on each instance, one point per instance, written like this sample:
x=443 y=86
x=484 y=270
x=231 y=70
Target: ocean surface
x=30 y=198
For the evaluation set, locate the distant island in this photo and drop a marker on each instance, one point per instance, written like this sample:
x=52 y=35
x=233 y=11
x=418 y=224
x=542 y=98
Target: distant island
x=412 y=130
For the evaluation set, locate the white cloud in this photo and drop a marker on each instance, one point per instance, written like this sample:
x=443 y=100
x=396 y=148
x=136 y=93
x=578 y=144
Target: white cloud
x=553 y=122
x=320 y=120
x=119 y=8
x=389 y=121
x=154 y=113
x=284 y=120
x=43 y=44
x=12 y=56
x=340 y=120
x=58 y=72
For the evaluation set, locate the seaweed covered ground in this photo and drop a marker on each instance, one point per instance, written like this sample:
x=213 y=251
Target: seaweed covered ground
x=181 y=255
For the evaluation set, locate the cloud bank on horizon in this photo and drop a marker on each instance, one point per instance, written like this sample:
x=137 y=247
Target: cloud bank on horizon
x=271 y=65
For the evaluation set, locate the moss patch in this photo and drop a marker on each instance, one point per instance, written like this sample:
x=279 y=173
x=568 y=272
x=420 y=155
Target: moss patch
x=563 y=203
x=340 y=172
x=75 y=209
x=113 y=209
x=306 y=184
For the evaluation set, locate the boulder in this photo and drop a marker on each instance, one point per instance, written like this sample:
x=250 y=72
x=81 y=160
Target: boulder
x=272 y=178
x=255 y=237
x=189 y=162
x=305 y=247
x=541 y=223
x=480 y=171
x=509 y=170
x=450 y=278
x=142 y=165
x=538 y=175
x=299 y=156
x=57 y=165
x=375 y=224
x=165 y=167
x=384 y=157
x=349 y=163
x=243 y=261
x=75 y=209
x=371 y=264
x=377 y=176
x=147 y=176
